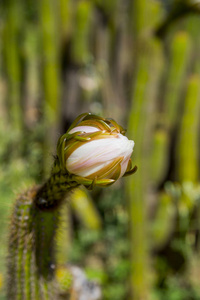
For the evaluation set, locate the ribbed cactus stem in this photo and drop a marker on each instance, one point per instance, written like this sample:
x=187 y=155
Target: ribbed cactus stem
x=187 y=147
x=159 y=155
x=164 y=222
x=21 y=259
x=53 y=192
x=45 y=225
x=32 y=241
x=180 y=54
x=80 y=50
x=12 y=58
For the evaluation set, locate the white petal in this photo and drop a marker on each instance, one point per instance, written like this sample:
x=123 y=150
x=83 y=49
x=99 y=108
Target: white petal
x=96 y=154
x=124 y=165
x=86 y=129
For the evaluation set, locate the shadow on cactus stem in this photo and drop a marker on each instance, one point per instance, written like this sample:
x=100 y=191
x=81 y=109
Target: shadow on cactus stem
x=94 y=151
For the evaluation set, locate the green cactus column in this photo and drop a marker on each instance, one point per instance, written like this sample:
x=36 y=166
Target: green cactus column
x=140 y=127
x=164 y=221
x=32 y=240
x=135 y=191
x=65 y=18
x=23 y=282
x=179 y=56
x=187 y=147
x=51 y=73
x=80 y=46
x=51 y=66
x=31 y=263
x=159 y=155
x=11 y=52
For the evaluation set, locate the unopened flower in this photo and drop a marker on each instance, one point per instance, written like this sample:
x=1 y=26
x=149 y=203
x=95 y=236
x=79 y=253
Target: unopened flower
x=95 y=151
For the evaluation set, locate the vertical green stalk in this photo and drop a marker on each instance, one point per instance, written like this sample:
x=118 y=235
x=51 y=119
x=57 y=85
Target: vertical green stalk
x=164 y=221
x=64 y=235
x=187 y=147
x=65 y=17
x=50 y=42
x=139 y=14
x=21 y=244
x=81 y=35
x=32 y=241
x=159 y=155
x=11 y=51
x=180 y=54
x=32 y=83
x=46 y=223
x=140 y=123
x=135 y=190
x=192 y=24
x=3 y=110
x=84 y=208
x=50 y=45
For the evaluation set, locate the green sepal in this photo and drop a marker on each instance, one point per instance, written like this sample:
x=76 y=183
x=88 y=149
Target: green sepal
x=82 y=138
x=92 y=116
x=92 y=182
x=77 y=120
x=132 y=171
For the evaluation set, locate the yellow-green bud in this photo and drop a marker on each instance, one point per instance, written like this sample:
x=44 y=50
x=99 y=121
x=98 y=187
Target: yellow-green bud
x=95 y=151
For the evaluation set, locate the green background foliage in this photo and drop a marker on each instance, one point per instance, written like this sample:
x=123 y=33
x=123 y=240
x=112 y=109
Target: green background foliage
x=139 y=63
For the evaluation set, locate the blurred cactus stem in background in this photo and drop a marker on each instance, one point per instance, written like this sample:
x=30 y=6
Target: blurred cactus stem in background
x=80 y=49
x=187 y=147
x=50 y=34
x=12 y=57
x=180 y=55
x=94 y=151
x=82 y=204
x=140 y=125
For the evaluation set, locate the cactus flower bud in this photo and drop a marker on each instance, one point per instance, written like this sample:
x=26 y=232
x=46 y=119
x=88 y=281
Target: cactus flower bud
x=95 y=151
